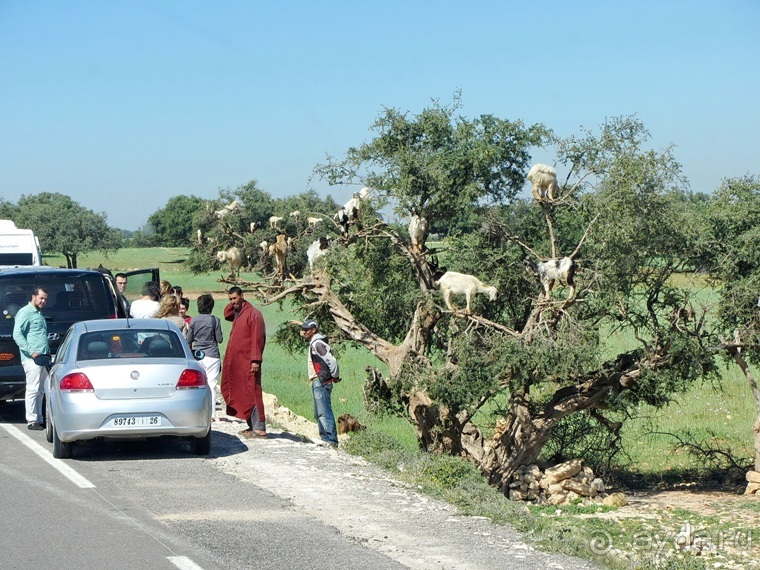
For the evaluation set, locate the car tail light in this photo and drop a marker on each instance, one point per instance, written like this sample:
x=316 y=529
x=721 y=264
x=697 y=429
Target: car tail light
x=191 y=379
x=76 y=382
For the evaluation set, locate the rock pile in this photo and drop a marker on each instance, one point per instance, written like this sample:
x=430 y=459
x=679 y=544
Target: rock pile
x=753 y=485
x=563 y=484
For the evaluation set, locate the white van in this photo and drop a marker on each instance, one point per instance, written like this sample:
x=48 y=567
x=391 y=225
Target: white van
x=18 y=246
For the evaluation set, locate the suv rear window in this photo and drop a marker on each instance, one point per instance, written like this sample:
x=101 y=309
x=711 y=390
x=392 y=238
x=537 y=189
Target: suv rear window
x=71 y=297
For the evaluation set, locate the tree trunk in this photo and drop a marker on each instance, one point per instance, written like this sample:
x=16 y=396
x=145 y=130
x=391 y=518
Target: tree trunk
x=736 y=353
x=518 y=441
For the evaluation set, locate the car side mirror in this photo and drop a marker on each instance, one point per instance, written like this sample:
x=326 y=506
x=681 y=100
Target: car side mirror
x=199 y=354
x=43 y=360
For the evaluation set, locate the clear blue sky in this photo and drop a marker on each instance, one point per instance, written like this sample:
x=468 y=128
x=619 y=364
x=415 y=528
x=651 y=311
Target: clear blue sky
x=124 y=104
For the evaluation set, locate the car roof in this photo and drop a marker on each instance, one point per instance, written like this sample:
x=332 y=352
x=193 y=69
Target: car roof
x=124 y=324
x=23 y=269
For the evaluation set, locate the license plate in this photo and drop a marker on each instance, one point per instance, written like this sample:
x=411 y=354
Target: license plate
x=129 y=421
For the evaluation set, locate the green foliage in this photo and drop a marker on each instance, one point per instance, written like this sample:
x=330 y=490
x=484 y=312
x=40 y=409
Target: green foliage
x=729 y=246
x=255 y=206
x=584 y=435
x=63 y=226
x=373 y=275
x=173 y=224
x=439 y=163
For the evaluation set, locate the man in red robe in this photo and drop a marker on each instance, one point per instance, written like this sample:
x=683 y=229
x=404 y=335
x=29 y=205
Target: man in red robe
x=241 y=371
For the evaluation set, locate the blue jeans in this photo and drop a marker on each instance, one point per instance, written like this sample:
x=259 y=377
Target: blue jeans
x=323 y=411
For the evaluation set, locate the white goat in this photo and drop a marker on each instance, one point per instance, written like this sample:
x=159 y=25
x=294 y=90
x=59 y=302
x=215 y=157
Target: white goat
x=418 y=230
x=264 y=246
x=199 y=234
x=342 y=218
x=544 y=180
x=365 y=192
x=552 y=270
x=353 y=207
x=313 y=221
x=296 y=215
x=253 y=225
x=453 y=283
x=233 y=258
x=273 y=221
x=231 y=207
x=317 y=249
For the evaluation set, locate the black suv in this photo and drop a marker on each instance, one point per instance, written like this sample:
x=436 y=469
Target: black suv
x=73 y=295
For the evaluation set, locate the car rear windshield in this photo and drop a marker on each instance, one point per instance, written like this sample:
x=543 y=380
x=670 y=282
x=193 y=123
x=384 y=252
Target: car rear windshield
x=132 y=343
x=72 y=297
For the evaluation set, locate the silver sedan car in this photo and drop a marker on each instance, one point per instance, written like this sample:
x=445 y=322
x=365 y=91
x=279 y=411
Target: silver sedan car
x=123 y=379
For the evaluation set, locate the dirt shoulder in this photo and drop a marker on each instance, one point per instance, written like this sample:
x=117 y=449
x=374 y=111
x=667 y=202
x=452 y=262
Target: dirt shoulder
x=364 y=504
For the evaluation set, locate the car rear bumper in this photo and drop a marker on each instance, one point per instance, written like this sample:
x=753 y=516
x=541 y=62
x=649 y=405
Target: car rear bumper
x=82 y=416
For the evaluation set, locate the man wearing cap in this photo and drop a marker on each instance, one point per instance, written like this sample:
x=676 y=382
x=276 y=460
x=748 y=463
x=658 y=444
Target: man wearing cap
x=323 y=372
x=241 y=370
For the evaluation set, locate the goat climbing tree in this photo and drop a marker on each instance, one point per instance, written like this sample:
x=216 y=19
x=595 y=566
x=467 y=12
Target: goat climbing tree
x=493 y=385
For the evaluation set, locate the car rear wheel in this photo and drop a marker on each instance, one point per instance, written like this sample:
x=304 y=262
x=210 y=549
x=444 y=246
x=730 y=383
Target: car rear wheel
x=201 y=445
x=48 y=427
x=61 y=449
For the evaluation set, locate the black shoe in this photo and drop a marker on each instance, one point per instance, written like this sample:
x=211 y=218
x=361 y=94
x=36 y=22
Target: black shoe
x=35 y=427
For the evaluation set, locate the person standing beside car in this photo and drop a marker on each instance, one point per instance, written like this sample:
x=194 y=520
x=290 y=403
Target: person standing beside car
x=147 y=306
x=323 y=371
x=121 y=285
x=205 y=333
x=241 y=380
x=30 y=334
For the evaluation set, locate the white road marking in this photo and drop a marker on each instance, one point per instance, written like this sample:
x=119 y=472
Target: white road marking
x=64 y=469
x=183 y=563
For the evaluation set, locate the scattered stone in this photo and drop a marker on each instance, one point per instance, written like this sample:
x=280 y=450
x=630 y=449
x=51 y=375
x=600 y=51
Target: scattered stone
x=563 y=470
x=615 y=500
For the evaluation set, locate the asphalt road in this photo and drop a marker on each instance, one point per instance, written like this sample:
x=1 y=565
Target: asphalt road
x=283 y=502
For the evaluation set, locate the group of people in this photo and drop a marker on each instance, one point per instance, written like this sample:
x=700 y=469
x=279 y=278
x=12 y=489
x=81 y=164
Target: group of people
x=243 y=358
x=203 y=332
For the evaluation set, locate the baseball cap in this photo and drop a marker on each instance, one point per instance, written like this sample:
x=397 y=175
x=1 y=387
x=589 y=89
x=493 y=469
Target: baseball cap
x=309 y=324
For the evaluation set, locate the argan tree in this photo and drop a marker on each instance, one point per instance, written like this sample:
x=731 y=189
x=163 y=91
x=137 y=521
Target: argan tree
x=493 y=385
x=728 y=245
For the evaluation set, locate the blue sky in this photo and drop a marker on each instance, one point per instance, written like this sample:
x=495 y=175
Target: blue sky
x=124 y=104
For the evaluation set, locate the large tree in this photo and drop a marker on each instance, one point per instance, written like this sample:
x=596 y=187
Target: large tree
x=533 y=359
x=174 y=223
x=728 y=247
x=63 y=226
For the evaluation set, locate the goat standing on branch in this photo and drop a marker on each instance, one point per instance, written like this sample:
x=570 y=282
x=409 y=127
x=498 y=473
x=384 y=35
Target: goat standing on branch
x=418 y=231
x=544 y=180
x=316 y=250
x=562 y=269
x=273 y=221
x=453 y=283
x=233 y=257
